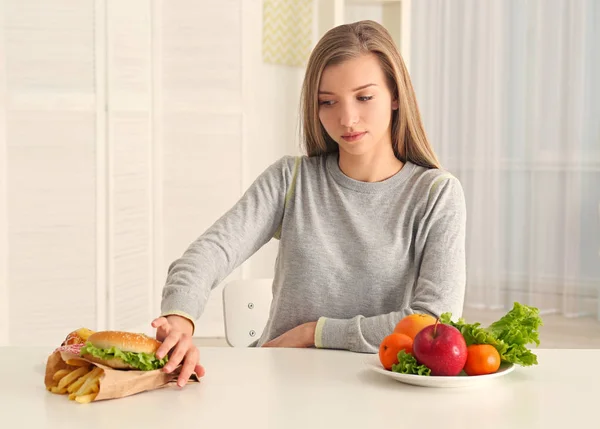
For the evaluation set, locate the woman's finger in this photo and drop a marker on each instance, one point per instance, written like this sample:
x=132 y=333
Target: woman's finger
x=163 y=328
x=179 y=352
x=159 y=321
x=167 y=344
x=191 y=359
x=199 y=370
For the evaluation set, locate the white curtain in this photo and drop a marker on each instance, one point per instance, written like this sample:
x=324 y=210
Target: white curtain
x=510 y=96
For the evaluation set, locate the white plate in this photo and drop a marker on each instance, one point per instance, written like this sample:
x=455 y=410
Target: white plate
x=461 y=380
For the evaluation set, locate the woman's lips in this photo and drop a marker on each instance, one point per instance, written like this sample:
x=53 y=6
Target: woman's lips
x=351 y=137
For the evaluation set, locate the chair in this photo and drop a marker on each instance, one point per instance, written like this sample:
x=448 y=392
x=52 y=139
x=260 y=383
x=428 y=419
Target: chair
x=246 y=305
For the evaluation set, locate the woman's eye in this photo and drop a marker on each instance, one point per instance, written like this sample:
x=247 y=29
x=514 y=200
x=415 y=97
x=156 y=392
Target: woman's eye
x=325 y=102
x=366 y=98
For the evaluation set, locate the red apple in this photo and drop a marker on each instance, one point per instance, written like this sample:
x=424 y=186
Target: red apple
x=441 y=348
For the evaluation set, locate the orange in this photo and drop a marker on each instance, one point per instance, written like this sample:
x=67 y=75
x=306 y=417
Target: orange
x=412 y=324
x=391 y=346
x=482 y=359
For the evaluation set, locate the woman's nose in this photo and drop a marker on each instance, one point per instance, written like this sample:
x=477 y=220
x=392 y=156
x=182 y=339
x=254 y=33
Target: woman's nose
x=348 y=117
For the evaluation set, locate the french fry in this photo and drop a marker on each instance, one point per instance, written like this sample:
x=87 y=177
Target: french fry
x=85 y=399
x=87 y=385
x=86 y=390
x=60 y=374
x=77 y=362
x=72 y=376
x=77 y=384
x=56 y=389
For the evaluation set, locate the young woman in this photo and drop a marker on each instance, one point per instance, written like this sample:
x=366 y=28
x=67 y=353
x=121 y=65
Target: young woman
x=371 y=229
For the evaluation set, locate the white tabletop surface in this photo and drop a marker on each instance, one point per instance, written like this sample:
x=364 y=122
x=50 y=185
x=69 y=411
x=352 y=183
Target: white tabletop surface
x=296 y=388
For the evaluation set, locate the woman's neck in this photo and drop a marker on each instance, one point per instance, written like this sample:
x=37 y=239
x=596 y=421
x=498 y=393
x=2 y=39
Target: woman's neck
x=373 y=167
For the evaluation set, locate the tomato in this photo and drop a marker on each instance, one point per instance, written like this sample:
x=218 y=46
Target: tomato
x=482 y=359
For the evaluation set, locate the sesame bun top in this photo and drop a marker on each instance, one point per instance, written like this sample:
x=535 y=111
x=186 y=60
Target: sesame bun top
x=124 y=341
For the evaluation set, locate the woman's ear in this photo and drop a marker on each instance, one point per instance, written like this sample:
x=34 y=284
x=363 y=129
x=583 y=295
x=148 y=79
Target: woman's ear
x=395 y=104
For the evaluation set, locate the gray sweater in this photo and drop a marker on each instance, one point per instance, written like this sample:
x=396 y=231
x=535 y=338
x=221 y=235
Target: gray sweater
x=354 y=256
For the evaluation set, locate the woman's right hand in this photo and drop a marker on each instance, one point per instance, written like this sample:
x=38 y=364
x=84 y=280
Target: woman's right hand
x=175 y=332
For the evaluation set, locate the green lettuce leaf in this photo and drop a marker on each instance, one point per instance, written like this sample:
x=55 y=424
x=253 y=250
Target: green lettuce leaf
x=141 y=361
x=407 y=364
x=510 y=335
x=518 y=326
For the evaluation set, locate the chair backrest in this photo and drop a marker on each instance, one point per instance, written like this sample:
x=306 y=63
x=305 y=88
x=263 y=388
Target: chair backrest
x=246 y=305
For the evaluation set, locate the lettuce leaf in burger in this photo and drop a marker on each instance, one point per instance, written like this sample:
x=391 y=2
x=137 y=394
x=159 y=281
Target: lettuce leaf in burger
x=123 y=350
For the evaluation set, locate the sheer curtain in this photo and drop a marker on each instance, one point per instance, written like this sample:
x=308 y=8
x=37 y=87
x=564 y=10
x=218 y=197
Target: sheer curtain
x=510 y=96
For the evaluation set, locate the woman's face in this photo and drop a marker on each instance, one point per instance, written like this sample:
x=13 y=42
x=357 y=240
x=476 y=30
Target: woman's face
x=355 y=106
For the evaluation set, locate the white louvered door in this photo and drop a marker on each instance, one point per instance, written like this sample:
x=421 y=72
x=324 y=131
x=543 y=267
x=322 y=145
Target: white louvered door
x=130 y=173
x=49 y=165
x=120 y=142
x=4 y=307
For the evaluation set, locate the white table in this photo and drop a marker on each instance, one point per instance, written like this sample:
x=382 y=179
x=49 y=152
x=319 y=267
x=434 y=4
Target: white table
x=294 y=388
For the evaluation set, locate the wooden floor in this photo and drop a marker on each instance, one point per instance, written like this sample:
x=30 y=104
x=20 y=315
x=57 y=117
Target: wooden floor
x=558 y=331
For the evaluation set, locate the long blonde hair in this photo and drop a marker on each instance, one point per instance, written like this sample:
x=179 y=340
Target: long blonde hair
x=347 y=41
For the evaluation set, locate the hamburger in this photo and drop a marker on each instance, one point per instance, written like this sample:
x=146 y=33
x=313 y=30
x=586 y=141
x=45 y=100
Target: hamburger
x=123 y=350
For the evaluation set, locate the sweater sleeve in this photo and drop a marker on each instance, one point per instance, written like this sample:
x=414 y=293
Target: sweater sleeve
x=232 y=239
x=440 y=286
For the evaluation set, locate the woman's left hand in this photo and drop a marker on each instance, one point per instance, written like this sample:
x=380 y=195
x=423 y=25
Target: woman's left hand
x=301 y=336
